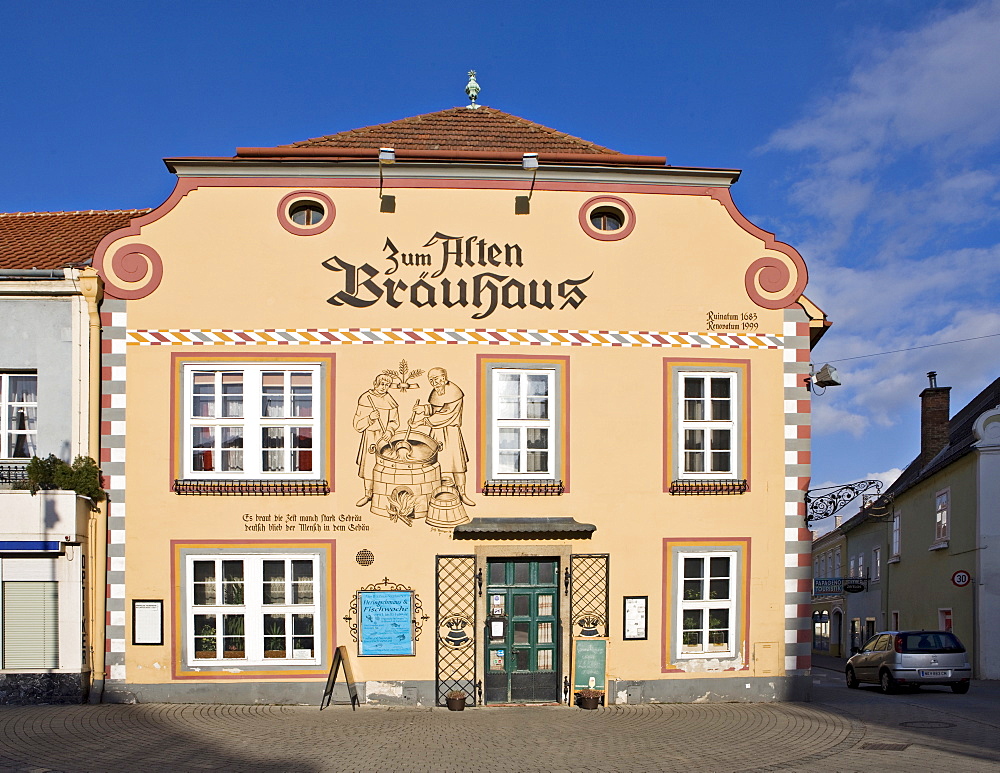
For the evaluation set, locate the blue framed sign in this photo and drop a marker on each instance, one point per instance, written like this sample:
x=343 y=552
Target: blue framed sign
x=385 y=622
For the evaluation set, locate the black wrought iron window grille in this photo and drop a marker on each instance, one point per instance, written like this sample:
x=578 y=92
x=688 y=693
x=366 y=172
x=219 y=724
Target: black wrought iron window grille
x=695 y=486
x=522 y=488
x=14 y=474
x=240 y=487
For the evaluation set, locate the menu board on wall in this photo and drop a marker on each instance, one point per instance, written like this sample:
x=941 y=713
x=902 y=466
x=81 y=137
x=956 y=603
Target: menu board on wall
x=147 y=621
x=634 y=617
x=386 y=622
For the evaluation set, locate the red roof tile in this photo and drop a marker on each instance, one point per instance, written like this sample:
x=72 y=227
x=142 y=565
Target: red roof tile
x=48 y=240
x=459 y=128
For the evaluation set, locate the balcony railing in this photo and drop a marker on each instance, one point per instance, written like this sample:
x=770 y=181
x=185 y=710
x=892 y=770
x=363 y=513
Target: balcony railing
x=13 y=474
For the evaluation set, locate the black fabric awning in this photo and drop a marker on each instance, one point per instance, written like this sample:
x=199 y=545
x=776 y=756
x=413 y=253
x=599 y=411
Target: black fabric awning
x=524 y=528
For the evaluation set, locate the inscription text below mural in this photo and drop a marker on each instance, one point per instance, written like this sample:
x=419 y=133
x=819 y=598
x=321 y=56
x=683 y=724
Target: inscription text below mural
x=419 y=279
x=299 y=522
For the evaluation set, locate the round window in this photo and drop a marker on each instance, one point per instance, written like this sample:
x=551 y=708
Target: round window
x=607 y=219
x=306 y=213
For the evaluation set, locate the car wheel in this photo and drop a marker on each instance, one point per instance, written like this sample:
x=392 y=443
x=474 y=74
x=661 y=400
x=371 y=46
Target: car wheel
x=960 y=687
x=887 y=683
x=852 y=679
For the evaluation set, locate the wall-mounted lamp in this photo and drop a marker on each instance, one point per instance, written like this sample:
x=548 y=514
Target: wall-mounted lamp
x=824 y=377
x=387 y=203
x=522 y=204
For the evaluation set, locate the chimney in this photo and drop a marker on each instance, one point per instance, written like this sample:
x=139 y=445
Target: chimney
x=934 y=416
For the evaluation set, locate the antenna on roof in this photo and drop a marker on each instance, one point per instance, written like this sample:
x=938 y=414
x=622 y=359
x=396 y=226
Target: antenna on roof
x=472 y=89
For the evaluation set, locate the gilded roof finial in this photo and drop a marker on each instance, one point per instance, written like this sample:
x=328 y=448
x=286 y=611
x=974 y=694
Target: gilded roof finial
x=472 y=89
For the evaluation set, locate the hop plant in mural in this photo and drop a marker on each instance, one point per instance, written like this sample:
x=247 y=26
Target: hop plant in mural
x=404 y=378
x=402 y=503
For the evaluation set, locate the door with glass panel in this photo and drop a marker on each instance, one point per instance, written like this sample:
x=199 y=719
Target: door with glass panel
x=522 y=631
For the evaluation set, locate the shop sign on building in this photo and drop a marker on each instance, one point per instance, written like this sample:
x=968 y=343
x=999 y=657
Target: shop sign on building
x=828 y=586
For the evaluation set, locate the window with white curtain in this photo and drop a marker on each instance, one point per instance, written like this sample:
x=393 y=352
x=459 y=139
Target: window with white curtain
x=707 y=605
x=257 y=609
x=708 y=437
x=251 y=420
x=524 y=439
x=18 y=415
x=942 y=505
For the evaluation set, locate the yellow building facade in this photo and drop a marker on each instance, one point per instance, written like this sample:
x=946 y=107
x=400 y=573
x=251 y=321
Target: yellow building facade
x=399 y=391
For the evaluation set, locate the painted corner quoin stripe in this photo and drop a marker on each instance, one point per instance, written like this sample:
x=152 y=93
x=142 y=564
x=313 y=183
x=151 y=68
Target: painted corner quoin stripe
x=306 y=337
x=798 y=540
x=113 y=324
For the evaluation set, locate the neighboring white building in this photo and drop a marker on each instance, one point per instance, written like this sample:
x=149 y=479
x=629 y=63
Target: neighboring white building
x=49 y=353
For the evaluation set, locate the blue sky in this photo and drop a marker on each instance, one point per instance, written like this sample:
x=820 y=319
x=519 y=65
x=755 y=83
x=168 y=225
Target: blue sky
x=867 y=131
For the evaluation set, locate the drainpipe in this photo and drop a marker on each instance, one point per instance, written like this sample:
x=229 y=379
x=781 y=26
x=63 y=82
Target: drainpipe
x=91 y=288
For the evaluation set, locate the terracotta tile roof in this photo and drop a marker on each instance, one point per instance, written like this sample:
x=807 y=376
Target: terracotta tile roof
x=48 y=240
x=460 y=128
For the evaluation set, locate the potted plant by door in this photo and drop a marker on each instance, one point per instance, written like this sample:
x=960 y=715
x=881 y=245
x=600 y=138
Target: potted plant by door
x=589 y=699
x=455 y=700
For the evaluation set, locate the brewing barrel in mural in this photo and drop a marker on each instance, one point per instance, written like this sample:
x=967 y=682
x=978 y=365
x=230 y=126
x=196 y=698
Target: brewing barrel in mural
x=406 y=474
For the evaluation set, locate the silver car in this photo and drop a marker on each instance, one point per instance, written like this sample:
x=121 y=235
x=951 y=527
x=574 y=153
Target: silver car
x=894 y=659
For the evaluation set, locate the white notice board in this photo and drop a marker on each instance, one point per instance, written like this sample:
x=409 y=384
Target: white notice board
x=147 y=621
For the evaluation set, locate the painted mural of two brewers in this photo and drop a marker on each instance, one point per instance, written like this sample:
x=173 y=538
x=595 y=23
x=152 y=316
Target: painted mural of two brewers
x=420 y=470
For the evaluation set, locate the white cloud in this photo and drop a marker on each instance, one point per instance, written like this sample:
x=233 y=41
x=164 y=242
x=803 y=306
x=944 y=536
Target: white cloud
x=829 y=418
x=897 y=195
x=901 y=146
x=887 y=477
x=936 y=85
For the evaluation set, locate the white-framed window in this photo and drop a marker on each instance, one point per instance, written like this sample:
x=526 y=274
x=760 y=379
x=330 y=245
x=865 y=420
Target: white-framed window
x=942 y=505
x=853 y=568
x=945 y=622
x=707 y=444
x=876 y=563
x=252 y=609
x=707 y=606
x=861 y=565
x=895 y=534
x=252 y=420
x=524 y=436
x=836 y=564
x=18 y=415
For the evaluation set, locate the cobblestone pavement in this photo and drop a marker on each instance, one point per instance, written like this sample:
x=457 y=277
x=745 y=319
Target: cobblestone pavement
x=841 y=730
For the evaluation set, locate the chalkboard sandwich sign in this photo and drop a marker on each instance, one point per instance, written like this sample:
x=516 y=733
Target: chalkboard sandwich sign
x=590 y=670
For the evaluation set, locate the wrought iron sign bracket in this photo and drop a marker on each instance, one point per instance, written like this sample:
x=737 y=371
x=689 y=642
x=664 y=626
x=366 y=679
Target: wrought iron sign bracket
x=836 y=498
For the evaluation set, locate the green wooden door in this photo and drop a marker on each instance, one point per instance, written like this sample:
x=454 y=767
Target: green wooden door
x=522 y=631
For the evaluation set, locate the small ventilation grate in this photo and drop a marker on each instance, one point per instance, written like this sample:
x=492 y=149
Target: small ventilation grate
x=365 y=557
